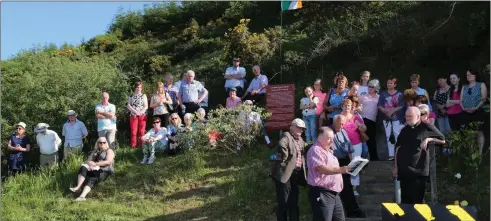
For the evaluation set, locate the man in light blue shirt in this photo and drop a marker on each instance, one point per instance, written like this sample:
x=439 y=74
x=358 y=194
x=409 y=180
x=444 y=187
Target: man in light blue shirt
x=235 y=76
x=257 y=89
x=189 y=93
x=73 y=131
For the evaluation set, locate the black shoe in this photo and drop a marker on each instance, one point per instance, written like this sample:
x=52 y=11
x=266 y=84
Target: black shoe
x=357 y=214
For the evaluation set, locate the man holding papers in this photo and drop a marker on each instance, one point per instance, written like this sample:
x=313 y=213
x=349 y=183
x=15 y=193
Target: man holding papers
x=325 y=179
x=342 y=150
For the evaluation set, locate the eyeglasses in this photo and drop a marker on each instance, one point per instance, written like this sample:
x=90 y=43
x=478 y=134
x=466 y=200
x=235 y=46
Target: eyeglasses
x=156 y=122
x=469 y=91
x=102 y=142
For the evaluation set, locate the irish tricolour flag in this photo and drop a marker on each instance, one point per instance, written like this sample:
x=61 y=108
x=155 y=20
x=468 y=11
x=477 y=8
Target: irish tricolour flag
x=290 y=5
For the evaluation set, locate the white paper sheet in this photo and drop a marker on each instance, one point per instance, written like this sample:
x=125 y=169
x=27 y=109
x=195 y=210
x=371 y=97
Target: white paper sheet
x=356 y=165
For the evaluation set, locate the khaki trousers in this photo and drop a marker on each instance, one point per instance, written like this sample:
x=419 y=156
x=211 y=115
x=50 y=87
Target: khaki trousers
x=74 y=150
x=48 y=160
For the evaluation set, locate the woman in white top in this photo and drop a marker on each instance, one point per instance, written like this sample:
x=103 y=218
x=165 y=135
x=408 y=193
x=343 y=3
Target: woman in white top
x=364 y=79
x=369 y=113
x=155 y=138
x=159 y=102
x=308 y=105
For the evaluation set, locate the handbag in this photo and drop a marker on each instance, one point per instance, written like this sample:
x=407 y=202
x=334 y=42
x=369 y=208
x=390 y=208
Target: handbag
x=363 y=135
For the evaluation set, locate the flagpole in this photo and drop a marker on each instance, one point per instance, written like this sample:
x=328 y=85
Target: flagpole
x=281 y=42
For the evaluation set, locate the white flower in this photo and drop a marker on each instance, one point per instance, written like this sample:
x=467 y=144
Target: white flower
x=458 y=176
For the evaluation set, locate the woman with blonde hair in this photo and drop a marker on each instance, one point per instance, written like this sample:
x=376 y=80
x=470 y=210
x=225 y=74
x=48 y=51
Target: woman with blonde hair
x=174 y=127
x=353 y=126
x=161 y=102
x=99 y=166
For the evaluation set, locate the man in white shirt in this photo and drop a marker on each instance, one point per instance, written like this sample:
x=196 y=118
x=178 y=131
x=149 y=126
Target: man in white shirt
x=106 y=119
x=154 y=140
x=235 y=76
x=48 y=142
x=73 y=131
x=257 y=88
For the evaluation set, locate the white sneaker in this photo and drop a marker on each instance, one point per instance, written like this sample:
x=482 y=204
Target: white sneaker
x=144 y=161
x=150 y=160
x=356 y=193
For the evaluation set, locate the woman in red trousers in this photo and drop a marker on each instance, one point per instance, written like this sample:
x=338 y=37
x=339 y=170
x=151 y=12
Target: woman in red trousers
x=137 y=105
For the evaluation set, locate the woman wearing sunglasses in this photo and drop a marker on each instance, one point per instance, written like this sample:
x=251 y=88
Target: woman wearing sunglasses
x=18 y=145
x=472 y=99
x=99 y=166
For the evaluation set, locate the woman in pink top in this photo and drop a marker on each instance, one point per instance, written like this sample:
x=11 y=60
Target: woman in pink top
x=454 y=109
x=369 y=111
x=352 y=126
x=233 y=101
x=321 y=95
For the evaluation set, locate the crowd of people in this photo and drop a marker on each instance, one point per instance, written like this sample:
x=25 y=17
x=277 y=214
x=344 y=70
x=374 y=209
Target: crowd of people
x=341 y=124
x=177 y=107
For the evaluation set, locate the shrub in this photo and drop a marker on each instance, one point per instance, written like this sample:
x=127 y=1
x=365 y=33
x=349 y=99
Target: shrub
x=231 y=125
x=42 y=88
x=464 y=172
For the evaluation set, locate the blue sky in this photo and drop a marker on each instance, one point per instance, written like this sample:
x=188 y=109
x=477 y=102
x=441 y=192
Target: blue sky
x=25 y=24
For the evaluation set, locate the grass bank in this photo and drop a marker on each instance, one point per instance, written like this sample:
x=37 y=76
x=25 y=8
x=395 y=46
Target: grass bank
x=198 y=185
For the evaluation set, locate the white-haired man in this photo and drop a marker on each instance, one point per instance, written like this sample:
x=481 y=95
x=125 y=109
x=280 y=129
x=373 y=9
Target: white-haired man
x=189 y=92
x=257 y=88
x=412 y=159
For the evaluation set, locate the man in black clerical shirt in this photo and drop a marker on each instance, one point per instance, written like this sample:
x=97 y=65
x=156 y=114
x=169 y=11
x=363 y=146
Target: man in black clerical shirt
x=412 y=160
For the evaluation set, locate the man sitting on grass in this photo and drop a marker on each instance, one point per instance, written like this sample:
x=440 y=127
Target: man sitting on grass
x=155 y=138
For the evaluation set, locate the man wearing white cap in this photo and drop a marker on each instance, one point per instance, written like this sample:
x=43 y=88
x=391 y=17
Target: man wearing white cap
x=288 y=171
x=48 y=142
x=73 y=131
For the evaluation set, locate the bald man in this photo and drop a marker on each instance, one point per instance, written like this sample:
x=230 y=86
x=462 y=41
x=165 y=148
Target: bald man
x=325 y=178
x=412 y=161
x=105 y=113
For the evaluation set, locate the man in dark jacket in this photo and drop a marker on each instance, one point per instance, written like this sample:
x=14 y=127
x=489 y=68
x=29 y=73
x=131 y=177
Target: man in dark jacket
x=412 y=160
x=288 y=171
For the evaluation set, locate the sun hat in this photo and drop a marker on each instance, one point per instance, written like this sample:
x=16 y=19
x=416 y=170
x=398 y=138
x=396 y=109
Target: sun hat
x=41 y=127
x=22 y=124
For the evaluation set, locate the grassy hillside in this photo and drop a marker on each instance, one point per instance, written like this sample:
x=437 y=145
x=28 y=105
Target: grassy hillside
x=194 y=186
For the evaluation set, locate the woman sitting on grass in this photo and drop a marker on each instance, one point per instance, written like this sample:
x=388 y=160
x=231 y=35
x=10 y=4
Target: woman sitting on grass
x=99 y=167
x=175 y=127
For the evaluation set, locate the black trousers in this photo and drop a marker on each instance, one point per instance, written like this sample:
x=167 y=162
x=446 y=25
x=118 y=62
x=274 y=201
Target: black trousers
x=372 y=142
x=287 y=198
x=191 y=108
x=412 y=189
x=347 y=196
x=255 y=98
x=326 y=205
x=92 y=178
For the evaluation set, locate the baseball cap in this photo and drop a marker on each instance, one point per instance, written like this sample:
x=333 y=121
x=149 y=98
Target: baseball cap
x=299 y=123
x=233 y=89
x=71 y=112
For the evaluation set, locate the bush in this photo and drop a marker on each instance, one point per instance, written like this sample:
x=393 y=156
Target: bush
x=231 y=126
x=42 y=88
x=464 y=172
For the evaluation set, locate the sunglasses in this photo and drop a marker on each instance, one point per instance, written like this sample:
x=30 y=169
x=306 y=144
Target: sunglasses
x=102 y=142
x=156 y=122
x=20 y=128
x=469 y=91
x=371 y=86
x=174 y=118
x=236 y=60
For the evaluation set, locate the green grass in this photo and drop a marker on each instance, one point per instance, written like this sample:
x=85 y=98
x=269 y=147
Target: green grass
x=197 y=185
